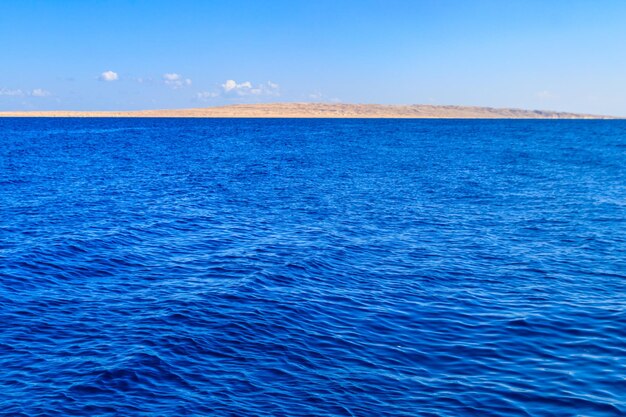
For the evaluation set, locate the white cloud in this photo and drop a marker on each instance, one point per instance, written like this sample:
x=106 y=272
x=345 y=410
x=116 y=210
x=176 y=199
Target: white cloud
x=205 y=95
x=18 y=92
x=176 y=80
x=109 y=76
x=10 y=92
x=143 y=80
x=268 y=89
x=231 y=87
x=171 y=77
x=39 y=92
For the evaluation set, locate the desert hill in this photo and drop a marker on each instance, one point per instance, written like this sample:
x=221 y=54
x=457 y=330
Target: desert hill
x=325 y=110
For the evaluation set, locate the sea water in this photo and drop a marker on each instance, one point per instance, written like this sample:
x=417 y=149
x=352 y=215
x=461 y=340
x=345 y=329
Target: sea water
x=233 y=267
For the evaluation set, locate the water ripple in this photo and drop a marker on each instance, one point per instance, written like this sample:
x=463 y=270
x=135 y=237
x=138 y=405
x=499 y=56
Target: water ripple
x=312 y=267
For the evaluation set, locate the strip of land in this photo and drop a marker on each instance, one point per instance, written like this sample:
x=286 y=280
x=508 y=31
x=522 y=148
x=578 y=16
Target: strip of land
x=325 y=110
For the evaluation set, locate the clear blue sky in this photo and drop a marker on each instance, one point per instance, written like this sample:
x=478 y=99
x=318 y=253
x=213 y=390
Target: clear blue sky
x=563 y=55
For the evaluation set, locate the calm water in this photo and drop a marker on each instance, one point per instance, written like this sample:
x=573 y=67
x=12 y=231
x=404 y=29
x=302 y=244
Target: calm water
x=312 y=268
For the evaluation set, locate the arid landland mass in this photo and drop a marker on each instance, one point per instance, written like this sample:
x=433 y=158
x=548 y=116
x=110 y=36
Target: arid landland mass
x=324 y=110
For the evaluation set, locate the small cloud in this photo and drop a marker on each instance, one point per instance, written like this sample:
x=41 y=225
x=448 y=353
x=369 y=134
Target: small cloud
x=39 y=92
x=108 y=76
x=231 y=87
x=205 y=95
x=176 y=80
x=143 y=80
x=11 y=93
x=316 y=96
x=267 y=89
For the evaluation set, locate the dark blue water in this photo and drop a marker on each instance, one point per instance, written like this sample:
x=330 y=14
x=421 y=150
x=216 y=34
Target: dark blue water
x=312 y=268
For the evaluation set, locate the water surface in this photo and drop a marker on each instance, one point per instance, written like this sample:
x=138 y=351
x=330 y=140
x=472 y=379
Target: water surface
x=164 y=267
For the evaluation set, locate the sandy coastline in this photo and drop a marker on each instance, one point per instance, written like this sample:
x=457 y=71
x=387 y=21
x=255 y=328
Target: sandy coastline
x=323 y=110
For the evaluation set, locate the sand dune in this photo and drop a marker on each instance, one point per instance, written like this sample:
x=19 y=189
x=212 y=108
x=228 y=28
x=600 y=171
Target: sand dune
x=323 y=110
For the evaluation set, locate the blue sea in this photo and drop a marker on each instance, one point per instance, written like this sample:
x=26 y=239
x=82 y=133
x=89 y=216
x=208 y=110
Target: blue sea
x=241 y=267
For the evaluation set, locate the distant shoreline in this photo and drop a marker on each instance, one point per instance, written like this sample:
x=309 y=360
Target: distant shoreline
x=323 y=111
